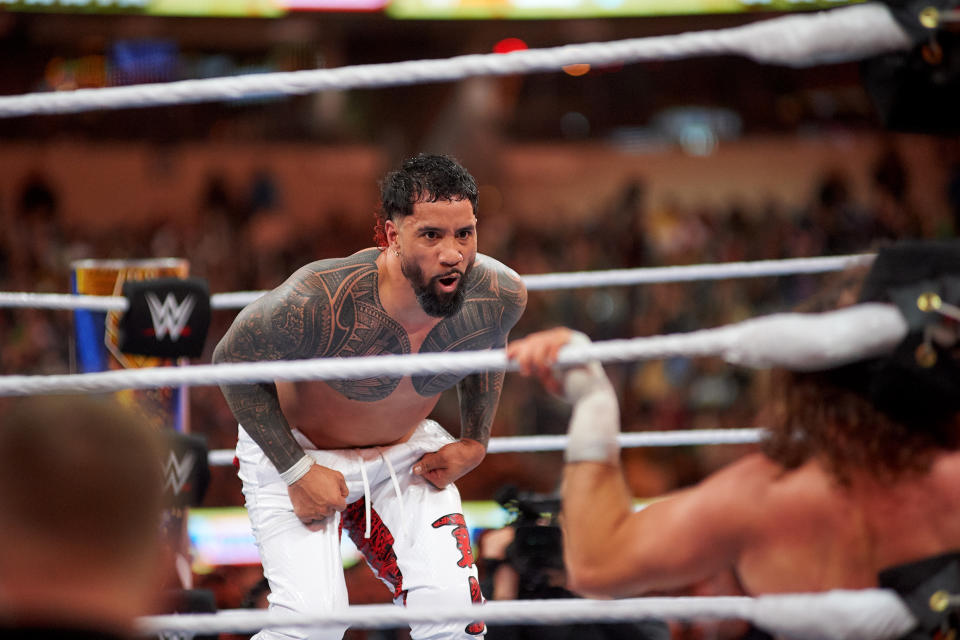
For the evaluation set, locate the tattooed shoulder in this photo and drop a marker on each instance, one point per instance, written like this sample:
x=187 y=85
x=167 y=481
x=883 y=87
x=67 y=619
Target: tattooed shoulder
x=308 y=315
x=504 y=284
x=356 y=324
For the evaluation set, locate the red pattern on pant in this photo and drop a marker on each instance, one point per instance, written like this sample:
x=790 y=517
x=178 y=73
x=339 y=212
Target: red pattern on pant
x=461 y=534
x=475 y=628
x=378 y=548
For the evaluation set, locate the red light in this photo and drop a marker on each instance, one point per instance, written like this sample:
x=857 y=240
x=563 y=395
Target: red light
x=510 y=44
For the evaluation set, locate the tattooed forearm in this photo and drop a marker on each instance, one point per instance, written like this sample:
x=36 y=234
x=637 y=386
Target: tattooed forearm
x=479 y=395
x=259 y=334
x=256 y=408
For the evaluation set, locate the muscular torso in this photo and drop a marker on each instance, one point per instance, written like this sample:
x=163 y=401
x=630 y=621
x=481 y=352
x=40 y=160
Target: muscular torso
x=813 y=535
x=332 y=308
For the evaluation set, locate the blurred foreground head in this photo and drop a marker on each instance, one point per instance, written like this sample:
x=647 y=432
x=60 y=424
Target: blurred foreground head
x=80 y=503
x=888 y=415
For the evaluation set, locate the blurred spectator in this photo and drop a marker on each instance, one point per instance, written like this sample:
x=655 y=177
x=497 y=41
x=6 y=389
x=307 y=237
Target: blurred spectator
x=895 y=216
x=80 y=493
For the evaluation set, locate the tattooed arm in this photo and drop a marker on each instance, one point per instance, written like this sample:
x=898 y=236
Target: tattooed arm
x=255 y=336
x=479 y=393
x=274 y=328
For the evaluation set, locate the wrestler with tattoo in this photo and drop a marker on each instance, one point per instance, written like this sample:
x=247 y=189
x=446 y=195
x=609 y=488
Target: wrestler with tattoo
x=359 y=455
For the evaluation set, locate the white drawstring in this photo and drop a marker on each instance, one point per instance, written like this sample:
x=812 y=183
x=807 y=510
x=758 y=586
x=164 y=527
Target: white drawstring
x=396 y=483
x=366 y=497
x=367 y=500
x=396 y=489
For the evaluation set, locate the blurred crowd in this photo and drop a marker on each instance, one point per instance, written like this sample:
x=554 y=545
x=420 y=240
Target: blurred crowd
x=233 y=241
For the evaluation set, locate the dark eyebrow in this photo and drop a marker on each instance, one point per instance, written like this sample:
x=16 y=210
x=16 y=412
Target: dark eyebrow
x=469 y=227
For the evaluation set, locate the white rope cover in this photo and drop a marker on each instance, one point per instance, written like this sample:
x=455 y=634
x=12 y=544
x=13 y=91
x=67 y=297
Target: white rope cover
x=838 y=35
x=873 y=614
x=792 y=340
x=526 y=444
x=536 y=282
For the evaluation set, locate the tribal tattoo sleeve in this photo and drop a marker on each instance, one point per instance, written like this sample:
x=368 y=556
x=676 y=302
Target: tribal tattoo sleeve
x=265 y=330
x=479 y=393
x=292 y=322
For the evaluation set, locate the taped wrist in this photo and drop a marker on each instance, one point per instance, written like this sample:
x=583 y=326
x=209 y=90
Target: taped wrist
x=595 y=424
x=298 y=470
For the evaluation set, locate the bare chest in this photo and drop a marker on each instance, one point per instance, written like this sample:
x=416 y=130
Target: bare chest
x=330 y=419
x=363 y=328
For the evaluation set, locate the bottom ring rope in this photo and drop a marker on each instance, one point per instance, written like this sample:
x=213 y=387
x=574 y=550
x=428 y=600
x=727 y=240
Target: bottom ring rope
x=877 y=614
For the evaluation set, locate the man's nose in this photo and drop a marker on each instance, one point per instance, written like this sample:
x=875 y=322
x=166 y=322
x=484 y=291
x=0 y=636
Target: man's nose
x=451 y=256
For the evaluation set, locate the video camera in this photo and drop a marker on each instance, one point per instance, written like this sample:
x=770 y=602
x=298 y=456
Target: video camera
x=536 y=553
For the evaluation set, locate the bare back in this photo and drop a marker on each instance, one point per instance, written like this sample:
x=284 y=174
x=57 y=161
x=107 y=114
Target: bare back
x=808 y=533
x=758 y=526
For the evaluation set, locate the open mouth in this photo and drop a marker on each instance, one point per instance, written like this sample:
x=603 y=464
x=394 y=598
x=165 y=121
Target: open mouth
x=449 y=281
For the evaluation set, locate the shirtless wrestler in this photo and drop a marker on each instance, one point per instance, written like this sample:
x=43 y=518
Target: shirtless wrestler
x=857 y=486
x=360 y=455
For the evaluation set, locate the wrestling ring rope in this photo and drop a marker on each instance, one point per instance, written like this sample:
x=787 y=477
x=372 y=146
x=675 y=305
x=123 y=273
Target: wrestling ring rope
x=549 y=281
x=838 y=35
x=876 y=614
x=792 y=340
x=536 y=282
x=788 y=339
x=528 y=444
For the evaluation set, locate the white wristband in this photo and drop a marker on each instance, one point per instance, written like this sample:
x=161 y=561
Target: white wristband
x=595 y=424
x=298 y=470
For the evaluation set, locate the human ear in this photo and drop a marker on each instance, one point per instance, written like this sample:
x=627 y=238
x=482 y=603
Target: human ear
x=392 y=231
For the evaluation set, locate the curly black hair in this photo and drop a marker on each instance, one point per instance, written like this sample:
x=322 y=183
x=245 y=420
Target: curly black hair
x=422 y=178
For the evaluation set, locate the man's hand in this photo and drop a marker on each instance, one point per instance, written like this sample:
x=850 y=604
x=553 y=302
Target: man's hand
x=451 y=462
x=318 y=494
x=537 y=354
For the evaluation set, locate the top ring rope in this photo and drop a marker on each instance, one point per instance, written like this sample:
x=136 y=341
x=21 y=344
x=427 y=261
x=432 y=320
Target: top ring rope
x=874 y=614
x=838 y=35
x=792 y=340
x=537 y=282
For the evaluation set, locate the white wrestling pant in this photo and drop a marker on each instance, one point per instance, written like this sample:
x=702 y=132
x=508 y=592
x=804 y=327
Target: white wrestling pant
x=418 y=543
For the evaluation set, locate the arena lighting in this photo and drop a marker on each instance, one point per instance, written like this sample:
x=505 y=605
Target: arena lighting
x=546 y=9
x=204 y=8
x=510 y=44
x=576 y=69
x=332 y=5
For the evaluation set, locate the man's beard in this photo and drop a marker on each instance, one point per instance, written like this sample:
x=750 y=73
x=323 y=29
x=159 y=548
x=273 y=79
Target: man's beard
x=434 y=303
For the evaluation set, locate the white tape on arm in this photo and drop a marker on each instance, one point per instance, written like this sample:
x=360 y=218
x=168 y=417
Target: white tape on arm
x=298 y=470
x=595 y=423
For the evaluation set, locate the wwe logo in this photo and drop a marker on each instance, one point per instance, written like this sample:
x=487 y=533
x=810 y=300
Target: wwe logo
x=177 y=472
x=169 y=317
